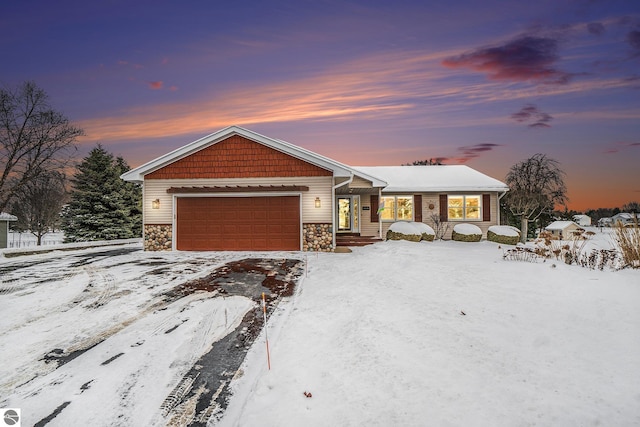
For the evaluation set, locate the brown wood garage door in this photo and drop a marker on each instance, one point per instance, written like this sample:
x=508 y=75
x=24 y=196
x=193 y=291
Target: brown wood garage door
x=238 y=223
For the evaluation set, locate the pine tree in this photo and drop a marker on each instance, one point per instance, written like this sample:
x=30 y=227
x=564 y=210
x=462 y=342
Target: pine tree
x=102 y=206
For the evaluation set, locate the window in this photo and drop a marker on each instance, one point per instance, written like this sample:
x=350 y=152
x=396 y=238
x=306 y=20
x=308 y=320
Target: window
x=465 y=208
x=396 y=208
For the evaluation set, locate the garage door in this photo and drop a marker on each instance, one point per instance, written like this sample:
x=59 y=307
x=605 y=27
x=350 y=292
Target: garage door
x=238 y=223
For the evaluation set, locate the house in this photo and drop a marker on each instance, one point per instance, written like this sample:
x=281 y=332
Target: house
x=5 y=219
x=582 y=220
x=238 y=190
x=563 y=229
x=605 y=222
x=624 y=218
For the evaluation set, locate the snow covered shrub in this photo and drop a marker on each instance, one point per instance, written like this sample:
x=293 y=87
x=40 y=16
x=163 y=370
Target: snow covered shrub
x=466 y=233
x=504 y=234
x=628 y=242
x=411 y=231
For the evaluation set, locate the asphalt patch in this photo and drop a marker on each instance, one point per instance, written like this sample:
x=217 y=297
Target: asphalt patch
x=209 y=378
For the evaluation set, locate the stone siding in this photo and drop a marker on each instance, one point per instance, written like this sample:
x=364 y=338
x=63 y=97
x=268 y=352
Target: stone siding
x=317 y=237
x=157 y=237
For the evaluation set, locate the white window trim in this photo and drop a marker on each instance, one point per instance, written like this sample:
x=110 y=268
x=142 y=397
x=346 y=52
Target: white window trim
x=464 y=207
x=395 y=213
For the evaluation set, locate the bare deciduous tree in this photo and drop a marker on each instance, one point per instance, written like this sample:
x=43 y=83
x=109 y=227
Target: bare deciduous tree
x=34 y=138
x=536 y=185
x=39 y=203
x=439 y=227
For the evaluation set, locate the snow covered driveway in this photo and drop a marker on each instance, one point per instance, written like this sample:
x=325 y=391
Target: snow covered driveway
x=113 y=337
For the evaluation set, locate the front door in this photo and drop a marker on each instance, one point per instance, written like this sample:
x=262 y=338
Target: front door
x=348 y=217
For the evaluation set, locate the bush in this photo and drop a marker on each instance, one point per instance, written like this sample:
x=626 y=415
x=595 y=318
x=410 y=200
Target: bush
x=628 y=241
x=503 y=234
x=392 y=235
x=411 y=231
x=466 y=233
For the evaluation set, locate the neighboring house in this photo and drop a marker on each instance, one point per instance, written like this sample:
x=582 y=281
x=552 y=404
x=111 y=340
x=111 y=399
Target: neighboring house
x=605 y=222
x=5 y=219
x=238 y=190
x=624 y=218
x=563 y=229
x=582 y=220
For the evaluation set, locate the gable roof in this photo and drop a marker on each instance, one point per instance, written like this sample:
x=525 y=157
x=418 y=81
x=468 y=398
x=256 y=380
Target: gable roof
x=4 y=216
x=560 y=225
x=433 y=178
x=338 y=169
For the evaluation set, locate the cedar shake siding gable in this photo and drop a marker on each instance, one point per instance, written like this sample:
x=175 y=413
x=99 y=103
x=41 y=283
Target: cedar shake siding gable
x=237 y=157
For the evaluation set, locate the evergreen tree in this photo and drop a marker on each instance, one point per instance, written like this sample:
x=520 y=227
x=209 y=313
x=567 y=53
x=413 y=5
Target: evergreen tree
x=102 y=206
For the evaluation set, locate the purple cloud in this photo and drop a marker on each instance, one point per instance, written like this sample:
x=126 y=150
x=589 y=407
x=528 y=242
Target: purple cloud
x=531 y=113
x=473 y=151
x=634 y=40
x=595 y=28
x=527 y=58
x=621 y=146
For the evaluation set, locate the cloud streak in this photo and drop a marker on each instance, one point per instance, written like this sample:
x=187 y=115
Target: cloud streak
x=474 y=151
x=620 y=146
x=527 y=58
x=412 y=85
x=533 y=116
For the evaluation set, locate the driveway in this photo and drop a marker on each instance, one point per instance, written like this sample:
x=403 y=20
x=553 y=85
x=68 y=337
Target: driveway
x=118 y=336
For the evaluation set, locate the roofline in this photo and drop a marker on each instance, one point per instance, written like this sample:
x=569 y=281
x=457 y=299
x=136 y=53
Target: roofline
x=442 y=189
x=338 y=169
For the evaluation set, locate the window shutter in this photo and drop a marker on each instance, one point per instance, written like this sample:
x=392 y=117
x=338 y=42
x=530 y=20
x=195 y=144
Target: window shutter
x=486 y=207
x=417 y=207
x=444 y=208
x=374 y=208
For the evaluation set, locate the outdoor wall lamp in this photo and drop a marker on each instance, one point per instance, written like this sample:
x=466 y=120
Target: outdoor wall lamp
x=155 y=204
x=317 y=202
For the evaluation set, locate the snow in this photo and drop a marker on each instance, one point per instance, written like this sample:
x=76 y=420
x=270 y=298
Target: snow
x=395 y=333
x=467 y=229
x=433 y=178
x=504 y=230
x=378 y=337
x=560 y=225
x=4 y=216
x=411 y=228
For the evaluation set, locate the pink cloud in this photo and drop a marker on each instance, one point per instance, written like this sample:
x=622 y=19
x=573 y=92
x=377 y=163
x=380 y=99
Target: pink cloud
x=156 y=85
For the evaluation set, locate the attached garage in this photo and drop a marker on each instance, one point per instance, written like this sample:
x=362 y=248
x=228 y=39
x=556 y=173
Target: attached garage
x=252 y=223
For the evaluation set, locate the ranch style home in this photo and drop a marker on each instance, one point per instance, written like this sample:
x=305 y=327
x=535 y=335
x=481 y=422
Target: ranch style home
x=238 y=190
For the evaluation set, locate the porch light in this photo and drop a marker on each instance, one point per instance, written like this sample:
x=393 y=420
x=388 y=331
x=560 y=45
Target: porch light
x=317 y=202
x=155 y=204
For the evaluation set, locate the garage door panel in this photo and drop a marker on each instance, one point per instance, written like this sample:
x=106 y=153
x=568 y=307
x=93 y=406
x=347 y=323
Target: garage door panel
x=238 y=223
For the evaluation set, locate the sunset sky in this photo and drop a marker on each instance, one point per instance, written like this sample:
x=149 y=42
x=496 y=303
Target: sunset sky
x=486 y=84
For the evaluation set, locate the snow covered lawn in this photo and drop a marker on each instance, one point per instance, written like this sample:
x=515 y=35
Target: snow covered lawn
x=448 y=334
x=396 y=333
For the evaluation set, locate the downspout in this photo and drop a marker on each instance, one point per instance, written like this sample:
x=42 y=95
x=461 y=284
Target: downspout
x=379 y=218
x=333 y=206
x=500 y=196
